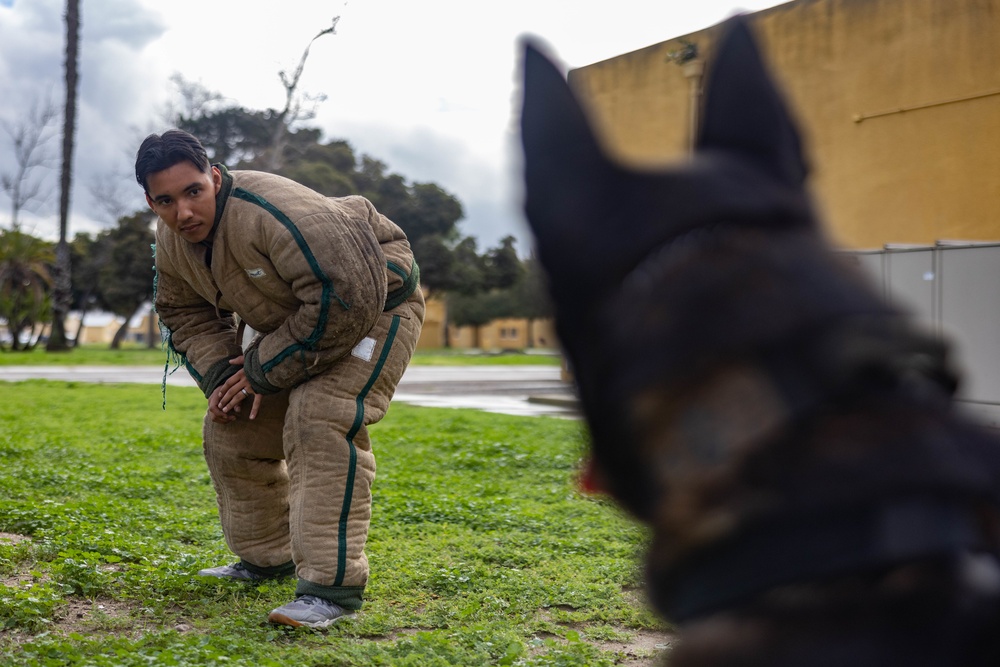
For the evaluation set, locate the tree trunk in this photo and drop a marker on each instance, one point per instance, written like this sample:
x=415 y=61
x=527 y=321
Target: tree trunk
x=34 y=336
x=447 y=334
x=152 y=334
x=116 y=342
x=15 y=337
x=62 y=294
x=79 y=329
x=61 y=297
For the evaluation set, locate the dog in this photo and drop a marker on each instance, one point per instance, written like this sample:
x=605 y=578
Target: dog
x=791 y=440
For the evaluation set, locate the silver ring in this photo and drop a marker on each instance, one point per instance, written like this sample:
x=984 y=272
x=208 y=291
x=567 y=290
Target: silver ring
x=244 y=392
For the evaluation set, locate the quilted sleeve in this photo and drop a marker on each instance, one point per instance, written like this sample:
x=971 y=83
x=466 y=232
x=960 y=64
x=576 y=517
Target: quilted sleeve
x=203 y=335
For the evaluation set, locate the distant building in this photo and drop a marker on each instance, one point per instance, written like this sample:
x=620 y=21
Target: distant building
x=505 y=334
x=100 y=327
x=502 y=334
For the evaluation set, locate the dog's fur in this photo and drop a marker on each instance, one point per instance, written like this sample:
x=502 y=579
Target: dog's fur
x=789 y=438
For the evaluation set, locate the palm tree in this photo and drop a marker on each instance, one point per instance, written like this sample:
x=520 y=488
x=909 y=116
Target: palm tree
x=62 y=293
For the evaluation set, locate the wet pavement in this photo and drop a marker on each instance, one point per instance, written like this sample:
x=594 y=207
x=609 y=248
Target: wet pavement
x=514 y=390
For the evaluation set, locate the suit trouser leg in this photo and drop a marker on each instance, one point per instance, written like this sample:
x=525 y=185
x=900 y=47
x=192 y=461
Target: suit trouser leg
x=331 y=466
x=245 y=460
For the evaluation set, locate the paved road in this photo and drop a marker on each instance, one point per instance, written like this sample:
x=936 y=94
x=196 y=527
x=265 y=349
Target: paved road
x=517 y=390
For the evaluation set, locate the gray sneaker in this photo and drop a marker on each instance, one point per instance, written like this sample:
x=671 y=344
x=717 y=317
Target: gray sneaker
x=310 y=611
x=234 y=571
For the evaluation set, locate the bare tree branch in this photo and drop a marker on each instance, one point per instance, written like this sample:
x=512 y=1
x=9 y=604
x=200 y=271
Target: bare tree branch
x=111 y=192
x=195 y=99
x=293 y=104
x=28 y=137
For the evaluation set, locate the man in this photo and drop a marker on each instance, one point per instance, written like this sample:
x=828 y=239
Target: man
x=331 y=287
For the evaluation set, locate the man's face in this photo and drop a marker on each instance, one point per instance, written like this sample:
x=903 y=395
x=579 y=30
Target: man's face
x=184 y=198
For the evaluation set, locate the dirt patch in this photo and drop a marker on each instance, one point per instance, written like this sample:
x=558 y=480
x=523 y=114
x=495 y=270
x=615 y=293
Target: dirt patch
x=646 y=648
x=20 y=576
x=110 y=616
x=638 y=647
x=80 y=615
x=90 y=617
x=17 y=580
x=643 y=648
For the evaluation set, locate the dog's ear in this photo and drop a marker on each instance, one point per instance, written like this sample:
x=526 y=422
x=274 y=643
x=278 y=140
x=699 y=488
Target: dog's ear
x=554 y=128
x=744 y=112
x=564 y=167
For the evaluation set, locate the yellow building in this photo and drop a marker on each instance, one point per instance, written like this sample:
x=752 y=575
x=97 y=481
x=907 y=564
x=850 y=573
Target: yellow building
x=510 y=333
x=501 y=334
x=898 y=100
x=99 y=328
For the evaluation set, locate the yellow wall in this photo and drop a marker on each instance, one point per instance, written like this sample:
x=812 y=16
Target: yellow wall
x=97 y=335
x=505 y=334
x=432 y=332
x=921 y=76
x=543 y=334
x=462 y=337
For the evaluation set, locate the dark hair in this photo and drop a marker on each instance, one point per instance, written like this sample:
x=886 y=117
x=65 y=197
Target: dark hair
x=159 y=152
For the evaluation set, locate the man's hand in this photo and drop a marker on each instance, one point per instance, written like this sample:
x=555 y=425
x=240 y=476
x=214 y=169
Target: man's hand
x=227 y=399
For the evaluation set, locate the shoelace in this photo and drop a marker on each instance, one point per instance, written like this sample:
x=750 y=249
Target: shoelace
x=313 y=600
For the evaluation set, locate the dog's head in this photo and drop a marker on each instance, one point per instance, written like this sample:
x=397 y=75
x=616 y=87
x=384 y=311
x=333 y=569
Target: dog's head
x=699 y=306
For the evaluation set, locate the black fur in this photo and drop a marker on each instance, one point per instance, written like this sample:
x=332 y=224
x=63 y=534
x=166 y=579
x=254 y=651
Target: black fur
x=748 y=394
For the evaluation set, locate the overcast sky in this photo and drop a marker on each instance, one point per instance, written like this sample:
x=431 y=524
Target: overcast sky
x=426 y=87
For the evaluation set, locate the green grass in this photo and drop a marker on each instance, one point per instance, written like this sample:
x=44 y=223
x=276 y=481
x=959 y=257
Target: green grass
x=482 y=551
x=87 y=355
x=135 y=355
